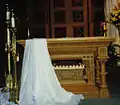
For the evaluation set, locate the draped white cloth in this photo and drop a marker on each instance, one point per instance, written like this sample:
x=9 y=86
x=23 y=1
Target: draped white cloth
x=111 y=29
x=39 y=84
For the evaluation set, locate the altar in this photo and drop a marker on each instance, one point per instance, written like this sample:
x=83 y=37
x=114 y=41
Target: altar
x=79 y=64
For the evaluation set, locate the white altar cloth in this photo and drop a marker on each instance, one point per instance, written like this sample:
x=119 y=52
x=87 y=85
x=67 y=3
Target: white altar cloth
x=39 y=83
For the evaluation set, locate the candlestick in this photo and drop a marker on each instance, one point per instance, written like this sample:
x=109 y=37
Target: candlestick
x=105 y=29
x=8 y=36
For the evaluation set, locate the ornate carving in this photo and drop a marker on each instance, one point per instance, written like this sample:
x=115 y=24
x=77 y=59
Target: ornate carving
x=103 y=85
x=70 y=76
x=97 y=71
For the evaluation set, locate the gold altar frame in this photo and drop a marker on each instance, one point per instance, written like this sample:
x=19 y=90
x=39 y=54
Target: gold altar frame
x=93 y=51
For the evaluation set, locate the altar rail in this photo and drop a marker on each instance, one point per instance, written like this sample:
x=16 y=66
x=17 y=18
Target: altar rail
x=91 y=80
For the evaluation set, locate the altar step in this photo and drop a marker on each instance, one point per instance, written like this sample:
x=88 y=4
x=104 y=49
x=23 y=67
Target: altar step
x=99 y=101
x=89 y=91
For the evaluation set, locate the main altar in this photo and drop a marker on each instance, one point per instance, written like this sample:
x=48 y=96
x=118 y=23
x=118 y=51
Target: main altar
x=78 y=58
x=80 y=64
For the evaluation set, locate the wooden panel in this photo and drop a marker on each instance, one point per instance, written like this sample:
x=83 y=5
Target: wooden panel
x=70 y=14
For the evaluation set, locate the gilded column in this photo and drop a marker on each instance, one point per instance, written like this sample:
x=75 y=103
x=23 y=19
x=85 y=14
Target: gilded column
x=102 y=57
x=104 y=93
x=97 y=71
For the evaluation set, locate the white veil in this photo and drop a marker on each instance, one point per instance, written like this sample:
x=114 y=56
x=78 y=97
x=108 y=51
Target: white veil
x=39 y=84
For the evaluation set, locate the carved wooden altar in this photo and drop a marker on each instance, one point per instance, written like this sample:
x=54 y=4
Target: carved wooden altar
x=92 y=51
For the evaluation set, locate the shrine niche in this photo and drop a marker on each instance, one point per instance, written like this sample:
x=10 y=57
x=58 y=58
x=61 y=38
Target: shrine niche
x=80 y=64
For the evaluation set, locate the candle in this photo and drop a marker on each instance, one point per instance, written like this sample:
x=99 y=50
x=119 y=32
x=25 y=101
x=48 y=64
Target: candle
x=28 y=33
x=8 y=36
x=13 y=22
x=7 y=13
x=17 y=57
